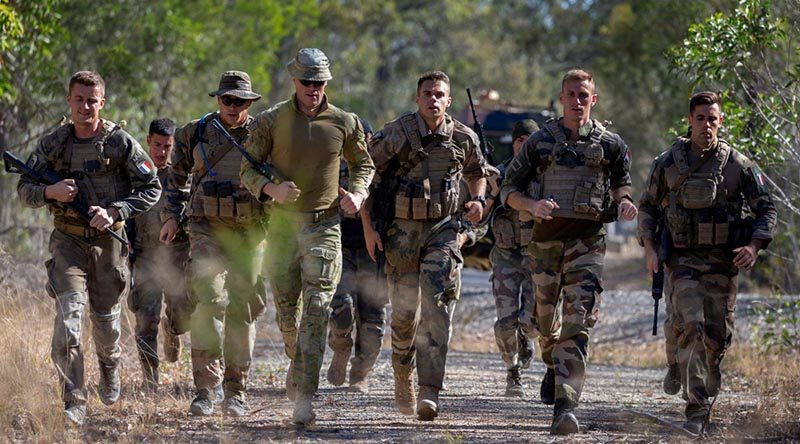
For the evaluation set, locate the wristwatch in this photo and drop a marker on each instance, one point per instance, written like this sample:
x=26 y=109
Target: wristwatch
x=628 y=197
x=481 y=200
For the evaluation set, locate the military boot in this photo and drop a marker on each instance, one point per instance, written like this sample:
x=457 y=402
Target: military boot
x=235 y=405
x=303 y=410
x=171 y=343
x=672 y=380
x=564 y=420
x=109 y=386
x=513 y=384
x=338 y=369
x=428 y=405
x=290 y=392
x=218 y=395
x=202 y=404
x=404 y=397
x=75 y=412
x=359 y=381
x=694 y=426
x=547 y=392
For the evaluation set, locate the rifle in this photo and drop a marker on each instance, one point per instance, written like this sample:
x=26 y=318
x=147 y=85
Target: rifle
x=15 y=165
x=486 y=148
x=383 y=209
x=265 y=169
x=658 y=277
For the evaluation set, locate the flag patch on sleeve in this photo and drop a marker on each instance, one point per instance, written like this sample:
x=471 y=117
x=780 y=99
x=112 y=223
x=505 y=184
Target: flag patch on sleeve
x=144 y=166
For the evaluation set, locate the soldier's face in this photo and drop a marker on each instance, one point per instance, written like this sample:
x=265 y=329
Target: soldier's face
x=309 y=96
x=433 y=99
x=233 y=115
x=516 y=145
x=577 y=99
x=85 y=103
x=160 y=147
x=705 y=121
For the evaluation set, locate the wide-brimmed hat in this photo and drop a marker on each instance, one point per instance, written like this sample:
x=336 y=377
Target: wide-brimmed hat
x=237 y=84
x=310 y=64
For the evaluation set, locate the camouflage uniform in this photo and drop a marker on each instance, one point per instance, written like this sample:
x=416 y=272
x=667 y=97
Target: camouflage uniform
x=226 y=246
x=423 y=267
x=158 y=270
x=511 y=284
x=360 y=299
x=567 y=252
x=305 y=236
x=111 y=170
x=700 y=266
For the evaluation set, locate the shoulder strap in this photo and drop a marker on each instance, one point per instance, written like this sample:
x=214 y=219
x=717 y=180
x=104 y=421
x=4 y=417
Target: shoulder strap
x=685 y=174
x=555 y=130
x=208 y=162
x=407 y=160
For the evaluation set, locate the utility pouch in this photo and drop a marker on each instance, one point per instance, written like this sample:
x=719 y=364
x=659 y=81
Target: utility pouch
x=525 y=233
x=698 y=193
x=503 y=230
x=244 y=208
x=593 y=155
x=419 y=203
x=585 y=201
x=679 y=225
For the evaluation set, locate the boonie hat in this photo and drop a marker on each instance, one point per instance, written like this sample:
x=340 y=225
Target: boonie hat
x=310 y=64
x=236 y=84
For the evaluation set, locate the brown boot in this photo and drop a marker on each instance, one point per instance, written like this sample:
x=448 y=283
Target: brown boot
x=405 y=398
x=359 y=382
x=169 y=342
x=338 y=369
x=428 y=405
x=290 y=389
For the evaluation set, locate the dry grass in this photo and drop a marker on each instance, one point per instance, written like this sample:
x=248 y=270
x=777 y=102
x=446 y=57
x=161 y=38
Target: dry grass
x=774 y=381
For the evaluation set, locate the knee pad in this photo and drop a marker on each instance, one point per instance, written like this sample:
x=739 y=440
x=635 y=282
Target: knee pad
x=342 y=312
x=315 y=308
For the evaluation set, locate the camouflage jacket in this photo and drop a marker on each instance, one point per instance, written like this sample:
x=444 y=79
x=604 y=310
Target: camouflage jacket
x=125 y=157
x=744 y=184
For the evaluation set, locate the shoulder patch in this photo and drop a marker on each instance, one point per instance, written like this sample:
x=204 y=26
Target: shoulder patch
x=144 y=166
x=759 y=179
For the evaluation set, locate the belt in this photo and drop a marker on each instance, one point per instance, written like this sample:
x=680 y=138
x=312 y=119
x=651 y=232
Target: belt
x=307 y=216
x=83 y=230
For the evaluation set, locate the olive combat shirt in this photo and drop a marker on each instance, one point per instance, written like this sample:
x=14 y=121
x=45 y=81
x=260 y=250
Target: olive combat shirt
x=307 y=151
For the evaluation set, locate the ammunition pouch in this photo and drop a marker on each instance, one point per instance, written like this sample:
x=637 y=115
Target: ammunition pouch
x=222 y=201
x=414 y=200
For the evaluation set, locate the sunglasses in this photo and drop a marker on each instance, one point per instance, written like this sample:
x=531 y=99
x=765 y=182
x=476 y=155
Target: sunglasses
x=232 y=101
x=314 y=83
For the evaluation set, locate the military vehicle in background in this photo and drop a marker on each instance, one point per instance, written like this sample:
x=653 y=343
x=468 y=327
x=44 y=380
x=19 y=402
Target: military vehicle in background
x=498 y=118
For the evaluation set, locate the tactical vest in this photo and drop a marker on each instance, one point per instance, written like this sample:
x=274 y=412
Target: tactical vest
x=219 y=196
x=148 y=224
x=99 y=171
x=430 y=188
x=697 y=211
x=575 y=175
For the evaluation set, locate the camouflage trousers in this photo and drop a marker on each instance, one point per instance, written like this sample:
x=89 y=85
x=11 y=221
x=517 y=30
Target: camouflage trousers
x=359 y=303
x=81 y=271
x=704 y=304
x=229 y=295
x=513 y=299
x=305 y=260
x=158 y=273
x=670 y=341
x=423 y=273
x=567 y=275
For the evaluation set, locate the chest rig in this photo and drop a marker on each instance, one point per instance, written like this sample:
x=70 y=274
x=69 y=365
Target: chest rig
x=430 y=188
x=217 y=194
x=98 y=168
x=697 y=211
x=148 y=224
x=574 y=174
